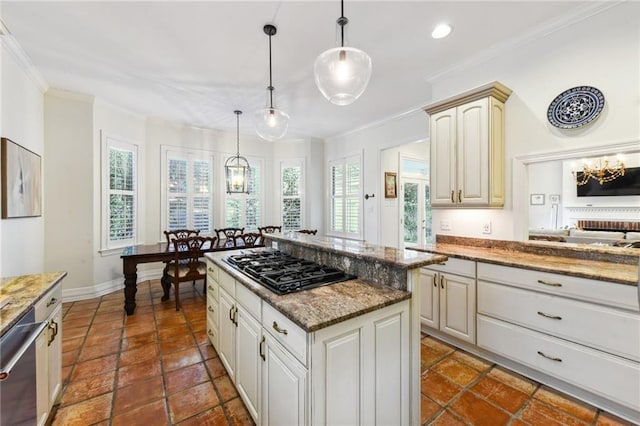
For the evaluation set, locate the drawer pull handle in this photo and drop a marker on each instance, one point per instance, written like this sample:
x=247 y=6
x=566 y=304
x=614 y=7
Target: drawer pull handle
x=555 y=317
x=552 y=358
x=235 y=315
x=210 y=333
x=460 y=195
x=262 y=349
x=210 y=309
x=441 y=281
x=210 y=288
x=550 y=284
x=210 y=269
x=453 y=199
x=279 y=330
x=53 y=301
x=435 y=281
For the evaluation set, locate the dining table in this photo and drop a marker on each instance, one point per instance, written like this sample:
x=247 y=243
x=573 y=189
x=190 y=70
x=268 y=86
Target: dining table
x=132 y=256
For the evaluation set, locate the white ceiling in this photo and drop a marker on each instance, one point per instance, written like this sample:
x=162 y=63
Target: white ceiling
x=196 y=62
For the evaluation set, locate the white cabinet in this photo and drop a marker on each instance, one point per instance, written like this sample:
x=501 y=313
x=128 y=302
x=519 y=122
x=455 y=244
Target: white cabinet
x=227 y=334
x=49 y=352
x=448 y=298
x=248 y=340
x=467 y=148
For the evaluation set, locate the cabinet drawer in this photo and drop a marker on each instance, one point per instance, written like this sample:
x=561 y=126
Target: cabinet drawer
x=212 y=334
x=463 y=267
x=614 y=378
x=607 y=329
x=212 y=270
x=45 y=306
x=606 y=293
x=227 y=282
x=250 y=301
x=290 y=335
x=213 y=289
x=212 y=310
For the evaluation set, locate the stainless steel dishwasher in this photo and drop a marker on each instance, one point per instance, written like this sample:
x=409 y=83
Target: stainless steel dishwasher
x=18 y=372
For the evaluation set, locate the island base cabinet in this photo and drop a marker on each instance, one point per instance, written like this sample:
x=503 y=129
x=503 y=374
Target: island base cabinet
x=227 y=334
x=612 y=377
x=248 y=338
x=284 y=386
x=360 y=372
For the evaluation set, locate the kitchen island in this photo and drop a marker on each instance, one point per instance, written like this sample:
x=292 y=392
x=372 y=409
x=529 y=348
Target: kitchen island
x=344 y=353
x=562 y=314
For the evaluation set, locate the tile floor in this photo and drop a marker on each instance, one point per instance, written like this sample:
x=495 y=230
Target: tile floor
x=157 y=367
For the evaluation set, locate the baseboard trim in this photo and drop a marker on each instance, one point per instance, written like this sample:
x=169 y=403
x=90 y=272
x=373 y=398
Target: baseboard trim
x=90 y=292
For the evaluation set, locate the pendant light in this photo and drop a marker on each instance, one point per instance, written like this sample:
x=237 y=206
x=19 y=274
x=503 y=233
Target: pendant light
x=342 y=73
x=237 y=168
x=271 y=123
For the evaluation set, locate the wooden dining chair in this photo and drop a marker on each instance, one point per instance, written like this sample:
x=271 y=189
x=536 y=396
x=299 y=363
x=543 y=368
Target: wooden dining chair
x=269 y=229
x=250 y=239
x=175 y=234
x=186 y=264
x=308 y=231
x=227 y=236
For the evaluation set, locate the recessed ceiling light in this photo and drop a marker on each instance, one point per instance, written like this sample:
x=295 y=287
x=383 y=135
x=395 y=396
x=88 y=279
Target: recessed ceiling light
x=441 y=31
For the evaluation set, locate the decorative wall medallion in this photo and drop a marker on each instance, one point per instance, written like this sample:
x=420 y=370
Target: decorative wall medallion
x=575 y=107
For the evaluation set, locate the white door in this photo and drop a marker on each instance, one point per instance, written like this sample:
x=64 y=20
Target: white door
x=429 y=298
x=415 y=225
x=227 y=337
x=458 y=306
x=248 y=356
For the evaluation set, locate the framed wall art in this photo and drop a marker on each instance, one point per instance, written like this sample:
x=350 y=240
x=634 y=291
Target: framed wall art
x=554 y=198
x=21 y=181
x=537 y=199
x=390 y=185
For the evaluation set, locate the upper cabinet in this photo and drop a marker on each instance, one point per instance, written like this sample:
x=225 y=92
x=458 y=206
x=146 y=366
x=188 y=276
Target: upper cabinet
x=467 y=148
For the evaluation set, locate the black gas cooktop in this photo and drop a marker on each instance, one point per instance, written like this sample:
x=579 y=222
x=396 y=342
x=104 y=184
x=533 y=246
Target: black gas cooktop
x=283 y=273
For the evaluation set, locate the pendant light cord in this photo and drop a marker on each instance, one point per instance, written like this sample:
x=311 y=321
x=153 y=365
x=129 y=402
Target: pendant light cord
x=342 y=21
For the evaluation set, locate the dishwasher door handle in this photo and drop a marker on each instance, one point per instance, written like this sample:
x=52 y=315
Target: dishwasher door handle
x=32 y=332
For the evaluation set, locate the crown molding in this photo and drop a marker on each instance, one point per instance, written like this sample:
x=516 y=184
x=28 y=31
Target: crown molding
x=587 y=11
x=11 y=45
x=57 y=92
x=494 y=89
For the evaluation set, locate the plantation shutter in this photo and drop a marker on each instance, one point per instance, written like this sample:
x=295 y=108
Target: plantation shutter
x=291 y=178
x=122 y=196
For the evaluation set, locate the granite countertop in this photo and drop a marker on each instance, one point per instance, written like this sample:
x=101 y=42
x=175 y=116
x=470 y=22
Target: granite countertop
x=321 y=307
x=545 y=258
x=404 y=258
x=23 y=292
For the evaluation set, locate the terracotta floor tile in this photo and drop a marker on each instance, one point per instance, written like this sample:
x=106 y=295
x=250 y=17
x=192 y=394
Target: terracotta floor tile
x=225 y=388
x=500 y=394
x=154 y=414
x=135 y=330
x=84 y=413
x=65 y=373
x=606 y=419
x=116 y=317
x=514 y=380
x=83 y=389
x=71 y=333
x=97 y=339
x=518 y=422
x=438 y=388
x=138 y=340
x=96 y=351
x=76 y=315
x=69 y=357
x=478 y=412
x=180 y=359
x=177 y=344
x=139 y=393
x=569 y=405
x=447 y=419
x=212 y=417
x=139 y=318
x=208 y=351
x=104 y=328
x=71 y=344
x=437 y=346
x=170 y=333
x=94 y=367
x=139 y=354
x=198 y=325
x=238 y=414
x=456 y=371
x=137 y=372
x=215 y=367
x=471 y=360
x=428 y=409
x=85 y=305
x=539 y=414
x=191 y=401
x=170 y=321
x=428 y=357
x=79 y=322
x=186 y=377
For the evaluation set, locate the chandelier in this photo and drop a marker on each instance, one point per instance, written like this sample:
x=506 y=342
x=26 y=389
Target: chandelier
x=602 y=172
x=237 y=168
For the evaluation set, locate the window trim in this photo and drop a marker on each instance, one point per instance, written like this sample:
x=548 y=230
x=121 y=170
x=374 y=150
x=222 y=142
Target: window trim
x=108 y=140
x=357 y=158
x=293 y=162
x=186 y=153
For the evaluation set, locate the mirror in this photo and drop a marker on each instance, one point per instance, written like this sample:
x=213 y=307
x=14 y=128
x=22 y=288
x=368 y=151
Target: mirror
x=593 y=213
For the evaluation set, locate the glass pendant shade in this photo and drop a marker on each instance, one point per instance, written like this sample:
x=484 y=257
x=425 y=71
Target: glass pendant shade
x=342 y=74
x=271 y=123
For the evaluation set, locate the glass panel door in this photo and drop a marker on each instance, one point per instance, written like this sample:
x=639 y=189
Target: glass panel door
x=415 y=228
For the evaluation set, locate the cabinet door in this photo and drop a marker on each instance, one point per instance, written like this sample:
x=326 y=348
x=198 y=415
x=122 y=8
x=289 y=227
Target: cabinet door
x=55 y=354
x=284 y=386
x=248 y=335
x=472 y=152
x=443 y=142
x=429 y=298
x=227 y=333
x=458 y=306
x=42 y=377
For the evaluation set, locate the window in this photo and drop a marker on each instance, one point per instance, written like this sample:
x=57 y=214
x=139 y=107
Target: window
x=345 y=214
x=120 y=198
x=291 y=184
x=245 y=210
x=187 y=190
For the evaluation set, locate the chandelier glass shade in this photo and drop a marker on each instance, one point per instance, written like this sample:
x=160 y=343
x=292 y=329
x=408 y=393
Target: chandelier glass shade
x=602 y=172
x=342 y=73
x=237 y=168
x=271 y=123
